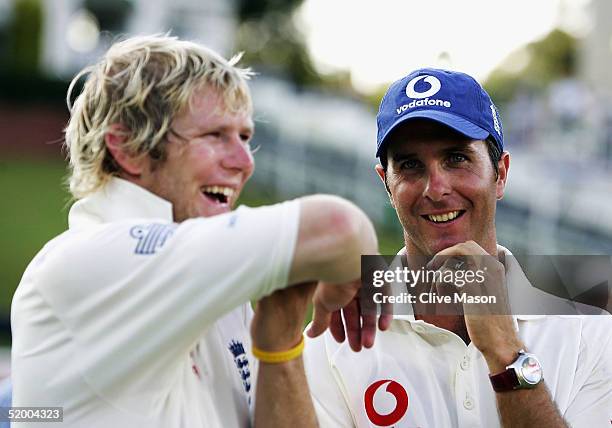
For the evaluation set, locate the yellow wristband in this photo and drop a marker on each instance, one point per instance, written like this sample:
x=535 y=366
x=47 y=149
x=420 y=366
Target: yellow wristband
x=279 y=357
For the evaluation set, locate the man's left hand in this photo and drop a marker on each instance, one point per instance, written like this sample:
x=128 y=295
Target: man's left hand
x=489 y=324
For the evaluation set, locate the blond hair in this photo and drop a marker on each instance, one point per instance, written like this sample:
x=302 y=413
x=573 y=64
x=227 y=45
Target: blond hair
x=142 y=83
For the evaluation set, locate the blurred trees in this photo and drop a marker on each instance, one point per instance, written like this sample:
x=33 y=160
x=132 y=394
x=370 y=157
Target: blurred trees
x=271 y=41
x=24 y=37
x=541 y=62
x=269 y=37
x=21 y=80
x=257 y=9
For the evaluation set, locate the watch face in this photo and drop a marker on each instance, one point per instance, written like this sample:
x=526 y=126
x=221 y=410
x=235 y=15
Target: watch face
x=531 y=370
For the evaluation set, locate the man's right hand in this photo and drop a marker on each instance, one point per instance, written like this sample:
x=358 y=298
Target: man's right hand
x=331 y=302
x=278 y=317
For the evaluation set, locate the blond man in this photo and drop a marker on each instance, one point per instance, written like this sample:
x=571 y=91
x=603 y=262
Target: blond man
x=138 y=314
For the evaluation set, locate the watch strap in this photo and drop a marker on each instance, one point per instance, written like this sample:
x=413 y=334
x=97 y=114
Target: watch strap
x=505 y=381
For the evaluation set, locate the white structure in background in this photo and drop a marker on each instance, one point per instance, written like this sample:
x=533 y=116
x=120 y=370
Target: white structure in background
x=316 y=143
x=72 y=37
x=597 y=48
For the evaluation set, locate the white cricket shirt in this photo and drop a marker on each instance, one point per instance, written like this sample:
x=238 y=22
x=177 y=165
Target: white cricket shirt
x=419 y=375
x=130 y=320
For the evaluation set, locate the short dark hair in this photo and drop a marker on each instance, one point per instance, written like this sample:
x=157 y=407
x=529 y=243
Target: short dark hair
x=494 y=155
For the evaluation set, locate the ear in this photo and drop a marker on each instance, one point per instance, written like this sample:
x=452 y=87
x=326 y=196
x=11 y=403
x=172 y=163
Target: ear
x=383 y=177
x=115 y=139
x=504 y=166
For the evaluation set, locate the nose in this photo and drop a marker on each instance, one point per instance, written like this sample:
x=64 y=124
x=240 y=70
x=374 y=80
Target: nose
x=438 y=184
x=239 y=156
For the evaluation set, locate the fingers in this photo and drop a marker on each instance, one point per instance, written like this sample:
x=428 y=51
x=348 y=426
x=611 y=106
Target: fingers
x=361 y=325
x=352 y=321
x=336 y=327
x=368 y=330
x=321 y=319
x=441 y=257
x=384 y=321
x=386 y=309
x=454 y=260
x=459 y=250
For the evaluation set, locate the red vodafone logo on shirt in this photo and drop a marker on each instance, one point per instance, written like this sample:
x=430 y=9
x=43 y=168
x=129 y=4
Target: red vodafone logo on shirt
x=401 y=403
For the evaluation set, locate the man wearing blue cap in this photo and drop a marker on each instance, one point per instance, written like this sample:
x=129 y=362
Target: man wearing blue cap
x=442 y=161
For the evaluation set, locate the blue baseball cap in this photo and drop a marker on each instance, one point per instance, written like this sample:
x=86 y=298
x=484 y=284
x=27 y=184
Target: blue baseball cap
x=449 y=97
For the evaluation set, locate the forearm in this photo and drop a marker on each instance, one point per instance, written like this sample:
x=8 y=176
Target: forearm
x=522 y=407
x=528 y=407
x=282 y=397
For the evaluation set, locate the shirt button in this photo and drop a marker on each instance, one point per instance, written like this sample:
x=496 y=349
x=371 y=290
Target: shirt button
x=465 y=363
x=468 y=403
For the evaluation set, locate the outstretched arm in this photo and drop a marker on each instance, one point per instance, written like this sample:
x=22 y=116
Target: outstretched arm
x=332 y=236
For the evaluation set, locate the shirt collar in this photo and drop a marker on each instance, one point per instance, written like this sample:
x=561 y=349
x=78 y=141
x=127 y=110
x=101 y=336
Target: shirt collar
x=517 y=283
x=118 y=200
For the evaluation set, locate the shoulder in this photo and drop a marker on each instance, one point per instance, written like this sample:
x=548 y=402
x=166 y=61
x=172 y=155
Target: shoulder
x=595 y=328
x=596 y=335
x=100 y=241
x=83 y=257
x=590 y=336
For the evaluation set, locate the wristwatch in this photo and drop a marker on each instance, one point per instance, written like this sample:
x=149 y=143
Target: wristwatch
x=524 y=373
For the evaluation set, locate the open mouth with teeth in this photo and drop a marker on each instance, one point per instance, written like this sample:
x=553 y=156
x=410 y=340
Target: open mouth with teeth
x=218 y=194
x=444 y=218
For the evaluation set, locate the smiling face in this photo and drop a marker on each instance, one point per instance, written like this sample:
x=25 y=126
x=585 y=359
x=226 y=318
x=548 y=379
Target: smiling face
x=208 y=159
x=442 y=187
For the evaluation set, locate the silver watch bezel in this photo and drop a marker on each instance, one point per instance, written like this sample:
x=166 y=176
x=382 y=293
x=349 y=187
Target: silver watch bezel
x=517 y=366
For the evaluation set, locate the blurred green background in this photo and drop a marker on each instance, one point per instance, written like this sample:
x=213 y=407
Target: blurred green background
x=33 y=211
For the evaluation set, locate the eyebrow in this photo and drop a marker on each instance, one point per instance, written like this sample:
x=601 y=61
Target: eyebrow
x=201 y=130
x=463 y=147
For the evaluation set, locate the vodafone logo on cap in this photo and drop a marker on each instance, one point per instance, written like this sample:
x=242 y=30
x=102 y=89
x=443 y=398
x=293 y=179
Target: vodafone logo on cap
x=394 y=390
x=433 y=82
x=421 y=99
